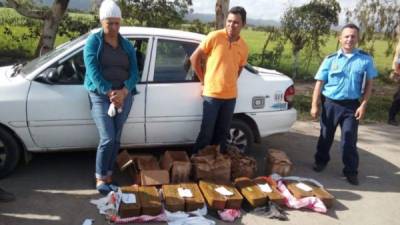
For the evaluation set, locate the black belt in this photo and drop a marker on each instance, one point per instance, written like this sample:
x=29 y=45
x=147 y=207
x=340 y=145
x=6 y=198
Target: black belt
x=342 y=102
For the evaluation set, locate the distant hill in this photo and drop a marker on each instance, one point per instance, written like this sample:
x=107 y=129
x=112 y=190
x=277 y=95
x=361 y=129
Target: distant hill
x=206 y=18
x=73 y=4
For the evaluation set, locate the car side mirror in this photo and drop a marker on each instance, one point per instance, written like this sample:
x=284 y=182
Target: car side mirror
x=50 y=76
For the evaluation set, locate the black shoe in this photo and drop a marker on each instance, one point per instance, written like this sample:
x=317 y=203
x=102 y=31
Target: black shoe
x=352 y=179
x=6 y=196
x=319 y=167
x=393 y=122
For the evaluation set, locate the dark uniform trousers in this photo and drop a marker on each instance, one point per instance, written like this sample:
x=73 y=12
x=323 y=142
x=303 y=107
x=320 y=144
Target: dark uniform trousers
x=395 y=108
x=334 y=113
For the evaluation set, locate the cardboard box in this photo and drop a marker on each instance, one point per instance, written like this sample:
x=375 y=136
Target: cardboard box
x=218 y=201
x=251 y=191
x=277 y=162
x=154 y=177
x=241 y=164
x=145 y=170
x=173 y=201
x=197 y=201
x=209 y=164
x=124 y=160
x=178 y=164
x=149 y=201
x=131 y=209
x=318 y=192
x=148 y=163
x=275 y=195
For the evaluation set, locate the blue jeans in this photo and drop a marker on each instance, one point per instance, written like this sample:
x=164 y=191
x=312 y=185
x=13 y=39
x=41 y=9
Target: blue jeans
x=110 y=130
x=341 y=113
x=216 y=122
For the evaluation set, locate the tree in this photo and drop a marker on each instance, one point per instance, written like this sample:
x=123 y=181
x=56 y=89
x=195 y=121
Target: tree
x=221 y=12
x=376 y=19
x=155 y=13
x=308 y=25
x=51 y=18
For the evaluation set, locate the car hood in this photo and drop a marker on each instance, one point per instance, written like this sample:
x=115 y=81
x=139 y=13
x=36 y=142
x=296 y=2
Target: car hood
x=5 y=72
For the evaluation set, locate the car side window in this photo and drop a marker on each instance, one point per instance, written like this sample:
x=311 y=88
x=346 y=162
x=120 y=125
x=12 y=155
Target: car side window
x=172 y=62
x=68 y=71
x=140 y=45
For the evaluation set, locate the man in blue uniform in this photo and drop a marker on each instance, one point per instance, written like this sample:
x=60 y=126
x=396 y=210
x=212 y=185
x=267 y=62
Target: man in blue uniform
x=339 y=88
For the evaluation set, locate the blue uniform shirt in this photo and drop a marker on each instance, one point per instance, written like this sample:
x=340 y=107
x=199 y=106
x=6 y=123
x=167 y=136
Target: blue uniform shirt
x=343 y=76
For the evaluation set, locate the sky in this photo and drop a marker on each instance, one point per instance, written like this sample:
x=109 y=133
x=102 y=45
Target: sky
x=263 y=9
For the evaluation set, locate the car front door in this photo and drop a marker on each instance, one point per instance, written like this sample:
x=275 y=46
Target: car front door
x=58 y=111
x=174 y=103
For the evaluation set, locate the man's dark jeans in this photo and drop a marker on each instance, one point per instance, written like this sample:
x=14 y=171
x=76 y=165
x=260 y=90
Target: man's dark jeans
x=217 y=117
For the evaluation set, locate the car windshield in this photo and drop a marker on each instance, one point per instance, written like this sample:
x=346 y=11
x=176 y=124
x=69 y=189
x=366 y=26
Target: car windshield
x=36 y=63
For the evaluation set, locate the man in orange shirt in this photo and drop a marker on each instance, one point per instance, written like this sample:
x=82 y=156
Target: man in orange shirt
x=225 y=54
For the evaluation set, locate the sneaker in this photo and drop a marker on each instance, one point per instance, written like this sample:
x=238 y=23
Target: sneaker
x=393 y=122
x=319 y=167
x=6 y=196
x=352 y=179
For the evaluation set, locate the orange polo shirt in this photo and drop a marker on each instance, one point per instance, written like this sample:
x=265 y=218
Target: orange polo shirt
x=223 y=63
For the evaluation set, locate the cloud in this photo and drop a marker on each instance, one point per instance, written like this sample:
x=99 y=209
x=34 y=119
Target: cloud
x=262 y=9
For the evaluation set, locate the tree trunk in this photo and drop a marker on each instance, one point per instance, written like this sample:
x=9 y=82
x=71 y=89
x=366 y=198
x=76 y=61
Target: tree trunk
x=266 y=45
x=295 y=65
x=221 y=12
x=51 y=19
x=50 y=26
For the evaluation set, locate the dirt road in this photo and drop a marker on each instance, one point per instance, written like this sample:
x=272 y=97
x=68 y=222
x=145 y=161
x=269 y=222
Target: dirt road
x=56 y=188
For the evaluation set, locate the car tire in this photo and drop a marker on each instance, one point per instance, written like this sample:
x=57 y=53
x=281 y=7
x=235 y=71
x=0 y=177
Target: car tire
x=10 y=152
x=241 y=135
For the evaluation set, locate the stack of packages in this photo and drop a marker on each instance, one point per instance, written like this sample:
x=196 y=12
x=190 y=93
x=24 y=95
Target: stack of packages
x=144 y=169
x=209 y=164
x=181 y=195
x=178 y=164
x=242 y=165
x=148 y=174
x=214 y=171
x=144 y=199
x=298 y=189
x=221 y=196
x=259 y=190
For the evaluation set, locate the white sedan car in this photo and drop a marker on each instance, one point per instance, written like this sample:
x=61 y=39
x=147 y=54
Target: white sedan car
x=44 y=106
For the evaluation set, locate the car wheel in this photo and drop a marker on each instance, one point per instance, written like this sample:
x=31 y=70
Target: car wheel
x=241 y=135
x=10 y=152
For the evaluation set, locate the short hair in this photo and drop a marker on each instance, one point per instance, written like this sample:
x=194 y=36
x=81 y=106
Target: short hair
x=351 y=26
x=239 y=10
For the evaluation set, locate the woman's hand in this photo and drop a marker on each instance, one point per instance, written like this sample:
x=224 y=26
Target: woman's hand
x=118 y=96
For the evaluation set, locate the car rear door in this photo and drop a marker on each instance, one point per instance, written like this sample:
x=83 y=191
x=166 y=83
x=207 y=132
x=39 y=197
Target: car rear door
x=174 y=103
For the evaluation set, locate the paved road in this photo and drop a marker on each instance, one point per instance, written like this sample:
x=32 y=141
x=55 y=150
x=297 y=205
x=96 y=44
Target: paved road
x=56 y=188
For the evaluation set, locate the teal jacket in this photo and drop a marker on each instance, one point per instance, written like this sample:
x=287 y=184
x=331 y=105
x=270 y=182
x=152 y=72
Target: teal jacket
x=94 y=79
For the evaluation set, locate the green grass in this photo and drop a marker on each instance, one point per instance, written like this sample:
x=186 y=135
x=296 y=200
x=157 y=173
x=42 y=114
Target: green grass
x=256 y=39
x=377 y=108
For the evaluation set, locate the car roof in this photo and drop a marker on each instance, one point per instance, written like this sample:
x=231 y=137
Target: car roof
x=151 y=31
